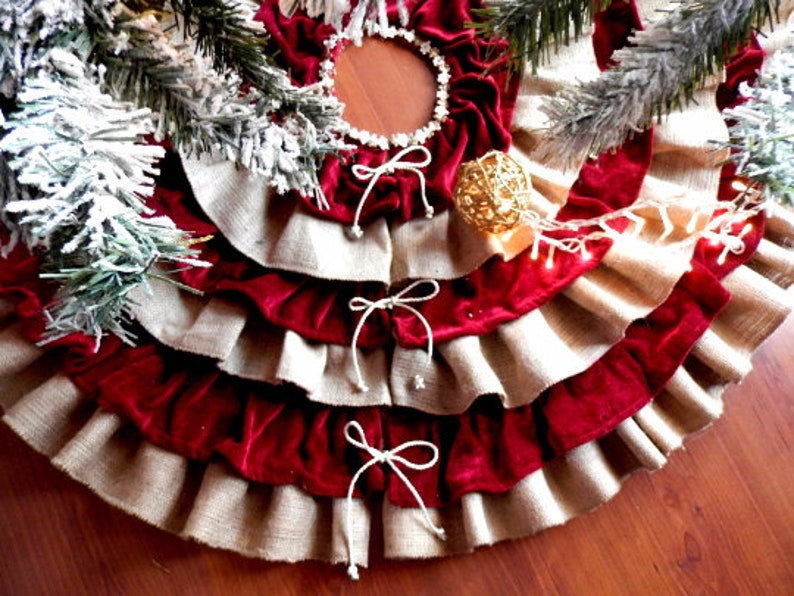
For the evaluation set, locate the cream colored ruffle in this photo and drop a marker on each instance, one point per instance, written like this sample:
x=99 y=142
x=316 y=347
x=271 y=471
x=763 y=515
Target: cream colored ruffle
x=517 y=361
x=278 y=233
x=211 y=504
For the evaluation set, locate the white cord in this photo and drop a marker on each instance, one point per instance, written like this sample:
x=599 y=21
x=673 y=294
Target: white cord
x=390 y=457
x=395 y=163
x=399 y=300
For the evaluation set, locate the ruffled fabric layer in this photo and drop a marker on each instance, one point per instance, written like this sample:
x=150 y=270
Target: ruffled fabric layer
x=278 y=233
x=271 y=434
x=544 y=331
x=55 y=408
x=213 y=504
x=516 y=360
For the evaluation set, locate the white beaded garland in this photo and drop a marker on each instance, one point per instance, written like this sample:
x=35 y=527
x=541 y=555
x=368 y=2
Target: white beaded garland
x=440 y=109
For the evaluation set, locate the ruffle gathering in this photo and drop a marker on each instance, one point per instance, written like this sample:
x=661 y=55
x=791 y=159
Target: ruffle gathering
x=538 y=417
x=213 y=504
x=516 y=361
x=272 y=435
x=551 y=325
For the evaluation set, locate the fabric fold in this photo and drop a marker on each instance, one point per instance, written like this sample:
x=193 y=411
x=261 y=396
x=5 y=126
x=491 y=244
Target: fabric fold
x=213 y=505
x=531 y=353
x=173 y=404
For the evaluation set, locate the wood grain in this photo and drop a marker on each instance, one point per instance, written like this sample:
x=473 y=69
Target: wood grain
x=386 y=86
x=717 y=520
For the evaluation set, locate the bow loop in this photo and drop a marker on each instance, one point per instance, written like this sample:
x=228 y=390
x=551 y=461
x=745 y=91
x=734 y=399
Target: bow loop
x=412 y=465
x=390 y=457
x=398 y=162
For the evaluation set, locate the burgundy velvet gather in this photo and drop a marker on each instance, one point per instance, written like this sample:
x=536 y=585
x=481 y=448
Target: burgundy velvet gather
x=481 y=101
x=473 y=305
x=272 y=434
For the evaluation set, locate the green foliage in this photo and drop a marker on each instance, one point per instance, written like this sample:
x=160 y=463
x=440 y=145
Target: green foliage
x=74 y=177
x=661 y=70
x=533 y=28
x=762 y=130
x=74 y=171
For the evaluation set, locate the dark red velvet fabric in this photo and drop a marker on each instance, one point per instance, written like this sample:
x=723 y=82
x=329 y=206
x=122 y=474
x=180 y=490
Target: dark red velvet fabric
x=473 y=305
x=272 y=434
x=612 y=30
x=480 y=109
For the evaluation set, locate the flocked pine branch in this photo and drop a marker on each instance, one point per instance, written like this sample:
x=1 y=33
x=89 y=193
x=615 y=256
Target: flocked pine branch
x=332 y=11
x=533 y=28
x=74 y=196
x=81 y=172
x=762 y=129
x=25 y=25
x=281 y=132
x=224 y=31
x=660 y=71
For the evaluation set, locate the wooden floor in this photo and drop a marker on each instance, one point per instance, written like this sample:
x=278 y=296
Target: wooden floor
x=718 y=519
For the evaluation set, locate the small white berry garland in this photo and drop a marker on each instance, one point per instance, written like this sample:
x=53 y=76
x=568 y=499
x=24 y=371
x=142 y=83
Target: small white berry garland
x=334 y=45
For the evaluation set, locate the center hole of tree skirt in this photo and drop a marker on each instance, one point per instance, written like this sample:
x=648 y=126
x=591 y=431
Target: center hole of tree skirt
x=387 y=87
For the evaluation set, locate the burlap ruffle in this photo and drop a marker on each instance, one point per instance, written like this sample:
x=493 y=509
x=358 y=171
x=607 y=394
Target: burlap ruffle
x=278 y=233
x=210 y=503
x=517 y=361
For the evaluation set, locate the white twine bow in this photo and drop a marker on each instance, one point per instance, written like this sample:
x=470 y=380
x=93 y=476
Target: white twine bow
x=395 y=163
x=392 y=458
x=399 y=300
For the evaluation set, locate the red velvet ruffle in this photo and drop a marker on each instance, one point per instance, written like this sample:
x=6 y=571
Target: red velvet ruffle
x=272 y=434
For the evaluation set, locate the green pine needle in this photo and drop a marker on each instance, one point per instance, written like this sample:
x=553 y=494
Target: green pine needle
x=533 y=28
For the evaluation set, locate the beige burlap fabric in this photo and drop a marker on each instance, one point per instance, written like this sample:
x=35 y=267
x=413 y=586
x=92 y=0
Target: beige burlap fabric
x=210 y=503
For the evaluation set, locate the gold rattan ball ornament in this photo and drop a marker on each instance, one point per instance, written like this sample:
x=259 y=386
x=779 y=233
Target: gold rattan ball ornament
x=491 y=192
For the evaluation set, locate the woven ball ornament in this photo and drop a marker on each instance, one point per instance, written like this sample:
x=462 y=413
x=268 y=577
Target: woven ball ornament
x=492 y=192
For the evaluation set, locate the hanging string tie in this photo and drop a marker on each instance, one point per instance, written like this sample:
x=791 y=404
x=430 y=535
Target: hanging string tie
x=392 y=458
x=399 y=300
x=395 y=163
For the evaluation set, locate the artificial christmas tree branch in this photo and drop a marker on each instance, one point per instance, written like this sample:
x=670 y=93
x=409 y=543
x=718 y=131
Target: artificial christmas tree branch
x=274 y=129
x=660 y=71
x=73 y=188
x=762 y=130
x=366 y=16
x=532 y=28
x=76 y=197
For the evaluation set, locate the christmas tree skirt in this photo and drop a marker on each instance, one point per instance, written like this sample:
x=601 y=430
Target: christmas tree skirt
x=377 y=359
